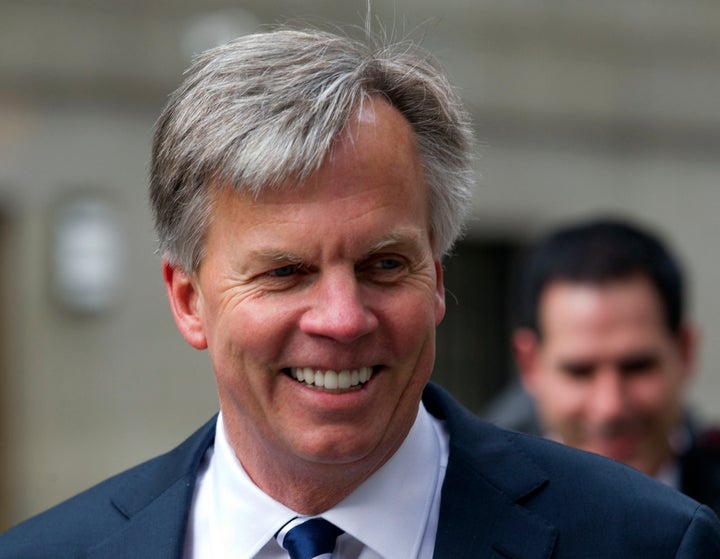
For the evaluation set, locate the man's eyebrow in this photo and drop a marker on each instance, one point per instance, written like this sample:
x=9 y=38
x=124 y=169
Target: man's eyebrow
x=649 y=355
x=408 y=240
x=402 y=239
x=577 y=365
x=276 y=256
x=639 y=361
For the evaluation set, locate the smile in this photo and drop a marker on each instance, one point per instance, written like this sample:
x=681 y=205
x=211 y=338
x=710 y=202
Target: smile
x=332 y=380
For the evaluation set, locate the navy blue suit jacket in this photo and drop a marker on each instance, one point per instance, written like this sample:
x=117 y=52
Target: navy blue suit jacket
x=505 y=495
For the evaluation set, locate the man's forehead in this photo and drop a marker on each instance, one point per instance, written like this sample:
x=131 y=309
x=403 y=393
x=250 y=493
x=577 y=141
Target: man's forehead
x=588 y=317
x=565 y=298
x=404 y=239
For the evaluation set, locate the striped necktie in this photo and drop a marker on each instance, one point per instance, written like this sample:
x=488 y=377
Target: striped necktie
x=312 y=538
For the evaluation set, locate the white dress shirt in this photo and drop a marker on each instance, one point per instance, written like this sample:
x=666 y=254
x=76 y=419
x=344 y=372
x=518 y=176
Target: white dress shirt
x=392 y=515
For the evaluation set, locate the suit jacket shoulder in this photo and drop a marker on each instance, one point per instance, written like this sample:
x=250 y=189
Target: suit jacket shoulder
x=513 y=495
x=699 y=458
x=146 y=508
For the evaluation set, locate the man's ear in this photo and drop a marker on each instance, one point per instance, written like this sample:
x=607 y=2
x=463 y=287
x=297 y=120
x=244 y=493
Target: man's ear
x=439 y=293
x=526 y=348
x=184 y=304
x=688 y=341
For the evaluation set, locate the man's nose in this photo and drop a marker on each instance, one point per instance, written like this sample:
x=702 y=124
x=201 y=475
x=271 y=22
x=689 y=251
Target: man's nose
x=607 y=397
x=338 y=309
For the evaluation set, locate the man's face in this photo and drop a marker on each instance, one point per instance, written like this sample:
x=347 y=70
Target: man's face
x=607 y=375
x=333 y=280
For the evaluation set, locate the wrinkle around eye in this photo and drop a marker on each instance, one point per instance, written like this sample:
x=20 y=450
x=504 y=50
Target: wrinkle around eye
x=231 y=295
x=282 y=278
x=236 y=289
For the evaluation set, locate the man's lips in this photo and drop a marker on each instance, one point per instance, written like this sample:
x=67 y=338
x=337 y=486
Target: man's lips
x=618 y=448
x=329 y=379
x=617 y=441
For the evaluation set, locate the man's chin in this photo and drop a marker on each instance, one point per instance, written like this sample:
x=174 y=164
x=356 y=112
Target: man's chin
x=622 y=449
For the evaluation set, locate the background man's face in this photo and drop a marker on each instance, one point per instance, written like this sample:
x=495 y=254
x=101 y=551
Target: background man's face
x=607 y=375
x=336 y=274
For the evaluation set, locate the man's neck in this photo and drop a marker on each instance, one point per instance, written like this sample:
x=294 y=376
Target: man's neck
x=308 y=488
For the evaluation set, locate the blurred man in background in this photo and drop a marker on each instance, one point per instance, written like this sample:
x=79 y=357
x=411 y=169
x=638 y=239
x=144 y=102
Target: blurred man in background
x=604 y=350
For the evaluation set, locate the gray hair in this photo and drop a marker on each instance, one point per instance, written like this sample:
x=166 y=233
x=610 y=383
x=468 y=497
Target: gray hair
x=265 y=108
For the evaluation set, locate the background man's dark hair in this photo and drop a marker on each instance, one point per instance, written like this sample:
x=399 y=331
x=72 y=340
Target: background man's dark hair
x=595 y=252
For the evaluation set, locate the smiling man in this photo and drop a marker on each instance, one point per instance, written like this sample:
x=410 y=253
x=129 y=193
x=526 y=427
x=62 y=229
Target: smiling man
x=606 y=353
x=318 y=301
x=305 y=190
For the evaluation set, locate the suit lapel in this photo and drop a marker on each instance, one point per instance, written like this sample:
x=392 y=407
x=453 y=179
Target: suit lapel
x=156 y=502
x=480 y=510
x=486 y=479
x=478 y=520
x=157 y=531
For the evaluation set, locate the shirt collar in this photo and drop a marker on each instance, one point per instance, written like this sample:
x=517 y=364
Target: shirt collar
x=395 y=527
x=391 y=527
x=245 y=518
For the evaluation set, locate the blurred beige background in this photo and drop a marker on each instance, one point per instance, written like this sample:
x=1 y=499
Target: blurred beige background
x=580 y=107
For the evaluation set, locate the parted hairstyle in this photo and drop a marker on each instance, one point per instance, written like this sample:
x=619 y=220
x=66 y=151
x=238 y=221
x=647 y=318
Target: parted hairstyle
x=599 y=251
x=264 y=110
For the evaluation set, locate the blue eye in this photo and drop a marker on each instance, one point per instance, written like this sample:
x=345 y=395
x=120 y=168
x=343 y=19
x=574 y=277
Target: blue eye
x=388 y=263
x=284 y=271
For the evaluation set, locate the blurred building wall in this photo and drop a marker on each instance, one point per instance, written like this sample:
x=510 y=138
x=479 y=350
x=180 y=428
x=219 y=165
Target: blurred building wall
x=580 y=107
x=86 y=393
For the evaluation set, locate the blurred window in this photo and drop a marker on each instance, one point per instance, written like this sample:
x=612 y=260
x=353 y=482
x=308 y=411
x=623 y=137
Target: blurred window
x=474 y=359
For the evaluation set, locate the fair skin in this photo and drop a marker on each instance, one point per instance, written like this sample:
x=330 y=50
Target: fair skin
x=334 y=278
x=608 y=376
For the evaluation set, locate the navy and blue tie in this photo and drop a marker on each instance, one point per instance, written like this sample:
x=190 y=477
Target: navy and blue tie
x=312 y=538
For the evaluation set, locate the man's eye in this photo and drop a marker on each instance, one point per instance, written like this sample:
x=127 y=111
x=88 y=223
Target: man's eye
x=388 y=263
x=284 y=271
x=639 y=365
x=578 y=371
x=384 y=269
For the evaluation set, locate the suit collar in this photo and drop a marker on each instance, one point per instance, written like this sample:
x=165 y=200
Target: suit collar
x=156 y=501
x=481 y=512
x=487 y=480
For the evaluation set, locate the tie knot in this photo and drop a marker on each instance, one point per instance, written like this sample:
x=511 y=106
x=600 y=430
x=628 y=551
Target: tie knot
x=310 y=538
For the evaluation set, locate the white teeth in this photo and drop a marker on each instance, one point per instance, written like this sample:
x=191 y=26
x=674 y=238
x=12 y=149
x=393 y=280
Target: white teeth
x=332 y=380
x=343 y=379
